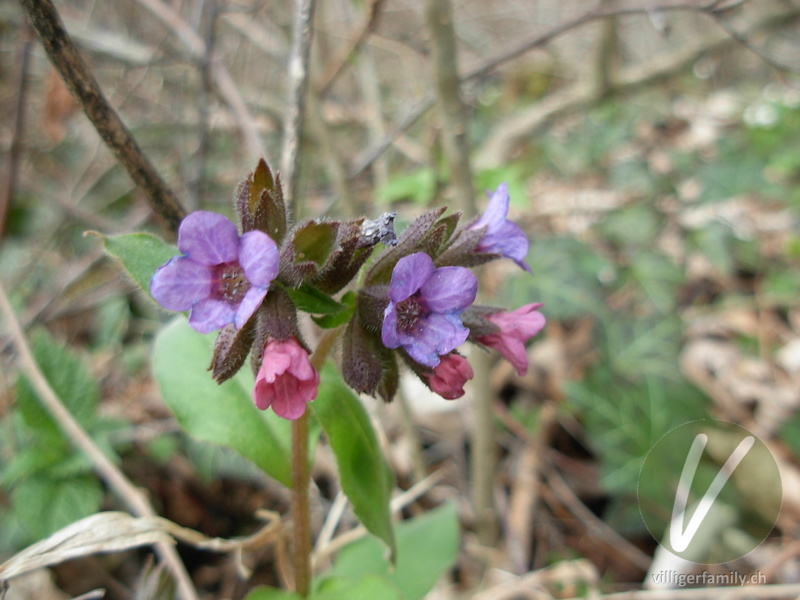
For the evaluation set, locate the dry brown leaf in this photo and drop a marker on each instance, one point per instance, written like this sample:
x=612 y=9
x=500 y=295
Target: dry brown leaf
x=118 y=531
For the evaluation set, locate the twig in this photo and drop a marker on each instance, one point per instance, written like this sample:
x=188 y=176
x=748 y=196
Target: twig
x=613 y=539
x=295 y=109
x=580 y=96
x=336 y=67
x=423 y=106
x=127 y=493
x=398 y=503
x=18 y=122
x=225 y=84
x=525 y=493
x=76 y=74
x=455 y=125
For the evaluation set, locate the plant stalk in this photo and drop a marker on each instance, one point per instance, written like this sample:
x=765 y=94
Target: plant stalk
x=301 y=478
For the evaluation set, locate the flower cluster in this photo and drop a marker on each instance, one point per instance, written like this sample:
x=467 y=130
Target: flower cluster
x=416 y=304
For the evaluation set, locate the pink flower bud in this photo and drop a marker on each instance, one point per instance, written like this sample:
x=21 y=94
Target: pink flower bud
x=515 y=329
x=450 y=375
x=286 y=379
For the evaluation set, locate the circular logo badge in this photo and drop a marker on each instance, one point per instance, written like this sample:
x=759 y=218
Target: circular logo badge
x=709 y=491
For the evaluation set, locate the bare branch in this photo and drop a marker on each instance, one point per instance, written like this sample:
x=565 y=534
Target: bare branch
x=73 y=69
x=298 y=81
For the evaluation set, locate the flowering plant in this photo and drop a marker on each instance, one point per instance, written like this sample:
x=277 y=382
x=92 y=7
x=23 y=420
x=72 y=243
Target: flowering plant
x=412 y=303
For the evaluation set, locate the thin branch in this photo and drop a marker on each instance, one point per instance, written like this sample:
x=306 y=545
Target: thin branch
x=580 y=96
x=73 y=69
x=127 y=493
x=455 y=122
x=336 y=67
x=225 y=84
x=423 y=106
x=18 y=122
x=295 y=110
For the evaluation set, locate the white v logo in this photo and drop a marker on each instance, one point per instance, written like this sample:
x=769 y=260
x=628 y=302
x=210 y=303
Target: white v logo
x=680 y=538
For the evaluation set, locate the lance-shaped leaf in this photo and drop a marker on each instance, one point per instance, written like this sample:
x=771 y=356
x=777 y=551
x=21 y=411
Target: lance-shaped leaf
x=365 y=477
x=140 y=254
x=221 y=414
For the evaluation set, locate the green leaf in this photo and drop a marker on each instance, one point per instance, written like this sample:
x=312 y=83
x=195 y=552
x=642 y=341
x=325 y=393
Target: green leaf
x=265 y=592
x=331 y=321
x=314 y=241
x=419 y=186
x=139 y=253
x=70 y=381
x=222 y=414
x=309 y=299
x=426 y=547
x=365 y=477
x=370 y=587
x=43 y=505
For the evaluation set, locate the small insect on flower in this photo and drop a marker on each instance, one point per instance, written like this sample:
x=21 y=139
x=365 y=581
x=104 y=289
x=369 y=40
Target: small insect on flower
x=221 y=277
x=424 y=308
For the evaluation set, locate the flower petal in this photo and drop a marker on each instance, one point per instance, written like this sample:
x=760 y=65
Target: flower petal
x=496 y=210
x=450 y=289
x=208 y=238
x=508 y=240
x=440 y=334
x=389 y=335
x=409 y=275
x=180 y=283
x=209 y=314
x=249 y=304
x=289 y=397
x=259 y=257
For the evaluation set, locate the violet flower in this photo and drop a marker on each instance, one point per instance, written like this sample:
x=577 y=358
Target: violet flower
x=502 y=236
x=450 y=375
x=221 y=277
x=286 y=380
x=424 y=308
x=516 y=327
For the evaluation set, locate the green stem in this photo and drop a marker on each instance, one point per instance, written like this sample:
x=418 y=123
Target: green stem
x=301 y=478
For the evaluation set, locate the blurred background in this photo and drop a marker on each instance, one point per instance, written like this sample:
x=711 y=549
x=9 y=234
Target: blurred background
x=652 y=155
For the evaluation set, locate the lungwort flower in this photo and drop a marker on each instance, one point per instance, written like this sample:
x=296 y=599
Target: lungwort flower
x=450 y=375
x=286 y=380
x=502 y=236
x=424 y=308
x=516 y=327
x=221 y=277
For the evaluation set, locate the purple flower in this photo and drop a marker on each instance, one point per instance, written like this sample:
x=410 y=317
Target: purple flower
x=424 y=308
x=221 y=276
x=502 y=236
